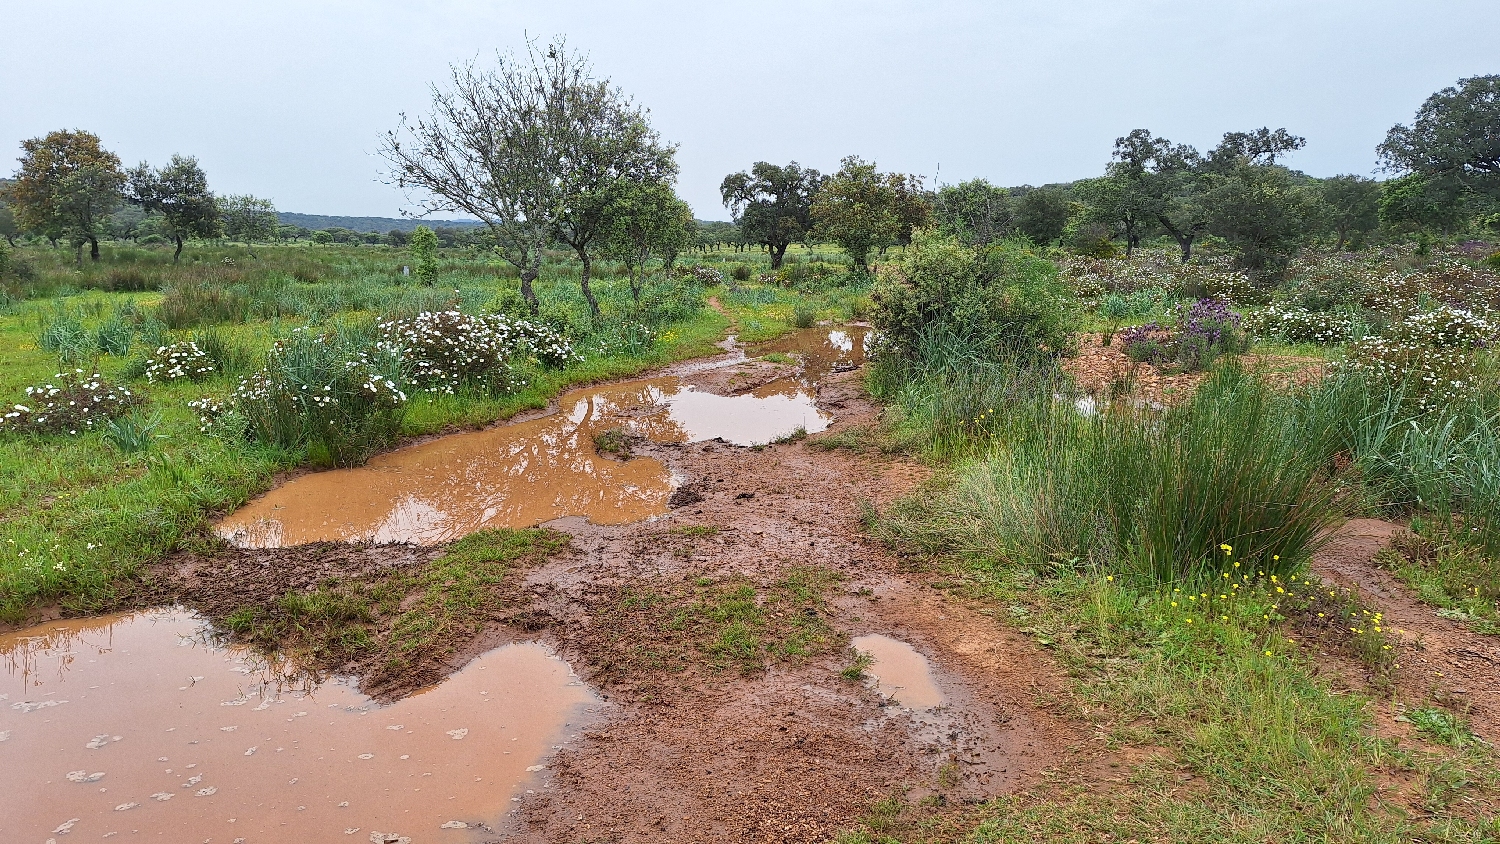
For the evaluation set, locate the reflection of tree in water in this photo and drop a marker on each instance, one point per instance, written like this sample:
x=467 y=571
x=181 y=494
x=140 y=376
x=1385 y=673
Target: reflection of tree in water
x=23 y=650
x=27 y=653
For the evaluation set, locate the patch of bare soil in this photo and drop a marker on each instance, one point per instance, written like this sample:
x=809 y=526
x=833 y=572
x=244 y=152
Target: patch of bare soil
x=1441 y=661
x=718 y=636
x=1106 y=371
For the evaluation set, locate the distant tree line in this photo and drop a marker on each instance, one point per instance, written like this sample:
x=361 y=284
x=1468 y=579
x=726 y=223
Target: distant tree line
x=69 y=188
x=1447 y=181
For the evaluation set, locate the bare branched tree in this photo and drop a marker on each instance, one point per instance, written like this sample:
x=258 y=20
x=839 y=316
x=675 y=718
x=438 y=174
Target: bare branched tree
x=491 y=148
x=533 y=147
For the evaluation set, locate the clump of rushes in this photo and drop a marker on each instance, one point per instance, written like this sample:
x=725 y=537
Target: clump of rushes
x=320 y=390
x=615 y=441
x=179 y=361
x=72 y=402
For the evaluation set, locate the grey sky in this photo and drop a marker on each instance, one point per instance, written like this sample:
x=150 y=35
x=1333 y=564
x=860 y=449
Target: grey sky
x=288 y=99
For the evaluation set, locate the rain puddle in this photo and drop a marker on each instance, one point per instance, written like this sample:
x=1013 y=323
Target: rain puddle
x=133 y=726
x=900 y=672
x=525 y=473
x=822 y=350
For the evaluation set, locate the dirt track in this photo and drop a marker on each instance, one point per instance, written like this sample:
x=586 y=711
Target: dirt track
x=794 y=752
x=1442 y=661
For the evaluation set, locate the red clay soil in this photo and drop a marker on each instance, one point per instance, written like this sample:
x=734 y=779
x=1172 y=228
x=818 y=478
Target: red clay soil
x=1441 y=661
x=1103 y=371
x=796 y=753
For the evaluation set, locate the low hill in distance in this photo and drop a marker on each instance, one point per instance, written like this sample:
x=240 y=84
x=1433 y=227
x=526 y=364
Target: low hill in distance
x=368 y=224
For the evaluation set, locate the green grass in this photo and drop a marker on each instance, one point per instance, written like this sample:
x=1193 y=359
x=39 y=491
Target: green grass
x=1246 y=741
x=1456 y=577
x=400 y=616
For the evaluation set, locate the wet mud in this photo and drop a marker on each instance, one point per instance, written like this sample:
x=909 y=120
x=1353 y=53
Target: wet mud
x=137 y=725
x=684 y=743
x=902 y=675
x=524 y=473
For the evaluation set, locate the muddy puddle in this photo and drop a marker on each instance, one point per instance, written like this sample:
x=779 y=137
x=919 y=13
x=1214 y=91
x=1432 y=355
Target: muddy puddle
x=525 y=473
x=901 y=673
x=821 y=350
x=133 y=727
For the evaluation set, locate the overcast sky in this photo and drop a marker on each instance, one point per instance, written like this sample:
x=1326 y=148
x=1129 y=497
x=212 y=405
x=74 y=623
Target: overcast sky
x=288 y=99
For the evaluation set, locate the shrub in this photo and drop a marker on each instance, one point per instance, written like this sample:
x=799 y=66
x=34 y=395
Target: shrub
x=741 y=272
x=701 y=273
x=445 y=350
x=72 y=402
x=1299 y=325
x=1428 y=377
x=1006 y=297
x=423 y=244
x=1209 y=329
x=330 y=390
x=179 y=361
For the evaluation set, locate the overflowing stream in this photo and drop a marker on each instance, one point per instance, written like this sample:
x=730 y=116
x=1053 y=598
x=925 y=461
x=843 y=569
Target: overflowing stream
x=524 y=473
x=137 y=727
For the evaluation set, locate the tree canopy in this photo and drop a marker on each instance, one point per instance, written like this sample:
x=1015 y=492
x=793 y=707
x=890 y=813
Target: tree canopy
x=1455 y=138
x=864 y=210
x=67 y=186
x=179 y=193
x=772 y=205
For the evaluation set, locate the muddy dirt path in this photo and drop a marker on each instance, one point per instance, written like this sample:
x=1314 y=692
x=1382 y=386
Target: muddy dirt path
x=1442 y=661
x=691 y=741
x=799 y=752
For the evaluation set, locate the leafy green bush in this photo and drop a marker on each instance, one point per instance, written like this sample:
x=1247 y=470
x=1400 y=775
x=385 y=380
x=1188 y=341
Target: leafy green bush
x=1005 y=298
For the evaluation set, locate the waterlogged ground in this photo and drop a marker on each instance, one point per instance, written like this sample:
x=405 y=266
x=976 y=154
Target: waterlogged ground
x=135 y=727
x=524 y=473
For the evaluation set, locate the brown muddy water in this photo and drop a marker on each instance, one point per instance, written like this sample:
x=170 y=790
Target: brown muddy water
x=134 y=727
x=525 y=473
x=901 y=672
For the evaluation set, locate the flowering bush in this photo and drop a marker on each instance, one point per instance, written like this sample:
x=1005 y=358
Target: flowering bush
x=705 y=275
x=1208 y=328
x=1447 y=327
x=1299 y=325
x=331 y=390
x=1431 y=377
x=443 y=350
x=179 y=361
x=71 y=403
x=1161 y=273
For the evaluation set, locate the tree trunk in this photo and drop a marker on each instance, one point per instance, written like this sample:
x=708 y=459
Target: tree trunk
x=528 y=275
x=1184 y=238
x=94 y=248
x=777 y=253
x=583 y=281
x=178 y=253
x=78 y=255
